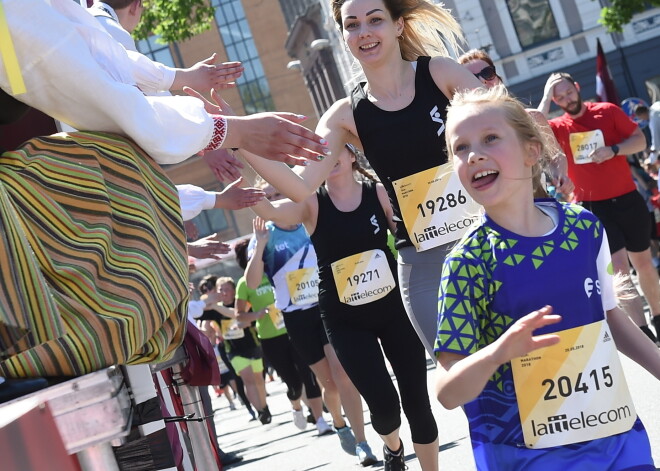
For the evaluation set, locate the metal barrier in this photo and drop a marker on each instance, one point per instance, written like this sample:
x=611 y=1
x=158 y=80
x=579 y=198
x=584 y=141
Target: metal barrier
x=91 y=413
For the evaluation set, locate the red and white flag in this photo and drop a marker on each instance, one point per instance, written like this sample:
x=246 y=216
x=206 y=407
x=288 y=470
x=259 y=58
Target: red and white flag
x=605 y=88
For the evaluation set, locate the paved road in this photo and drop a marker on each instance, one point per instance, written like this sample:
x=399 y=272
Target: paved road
x=280 y=446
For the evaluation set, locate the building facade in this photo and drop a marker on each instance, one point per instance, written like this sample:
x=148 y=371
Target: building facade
x=527 y=39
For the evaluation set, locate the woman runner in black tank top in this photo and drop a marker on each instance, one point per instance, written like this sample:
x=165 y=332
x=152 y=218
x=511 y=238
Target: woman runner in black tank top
x=397 y=117
x=360 y=302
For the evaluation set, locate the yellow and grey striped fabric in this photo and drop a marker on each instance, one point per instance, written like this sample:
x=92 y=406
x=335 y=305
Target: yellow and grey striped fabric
x=94 y=267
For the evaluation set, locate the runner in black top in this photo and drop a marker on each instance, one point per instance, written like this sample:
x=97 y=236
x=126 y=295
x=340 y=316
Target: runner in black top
x=360 y=301
x=398 y=117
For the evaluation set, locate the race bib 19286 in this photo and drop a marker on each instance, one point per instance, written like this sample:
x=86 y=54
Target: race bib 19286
x=435 y=207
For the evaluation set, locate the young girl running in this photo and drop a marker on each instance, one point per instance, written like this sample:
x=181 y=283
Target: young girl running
x=397 y=117
x=361 y=305
x=542 y=391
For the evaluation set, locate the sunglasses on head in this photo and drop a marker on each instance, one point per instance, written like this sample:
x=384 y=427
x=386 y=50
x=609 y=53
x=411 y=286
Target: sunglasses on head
x=487 y=73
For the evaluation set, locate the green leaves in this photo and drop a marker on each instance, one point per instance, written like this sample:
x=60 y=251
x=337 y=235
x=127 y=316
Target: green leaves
x=174 y=20
x=620 y=12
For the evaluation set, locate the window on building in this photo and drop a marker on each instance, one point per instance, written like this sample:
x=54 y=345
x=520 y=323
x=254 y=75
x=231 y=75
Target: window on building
x=534 y=21
x=155 y=51
x=239 y=44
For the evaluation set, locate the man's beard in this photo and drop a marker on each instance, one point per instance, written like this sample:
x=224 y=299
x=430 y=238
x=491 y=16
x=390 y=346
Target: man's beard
x=574 y=107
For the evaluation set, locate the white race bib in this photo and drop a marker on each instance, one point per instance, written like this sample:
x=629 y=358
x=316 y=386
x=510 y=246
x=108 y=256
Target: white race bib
x=584 y=143
x=363 y=278
x=574 y=391
x=303 y=285
x=435 y=207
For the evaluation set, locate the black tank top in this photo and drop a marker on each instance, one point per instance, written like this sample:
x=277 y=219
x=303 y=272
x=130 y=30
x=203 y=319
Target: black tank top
x=402 y=143
x=339 y=234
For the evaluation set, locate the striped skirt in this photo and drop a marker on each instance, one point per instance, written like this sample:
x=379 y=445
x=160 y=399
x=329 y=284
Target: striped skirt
x=92 y=255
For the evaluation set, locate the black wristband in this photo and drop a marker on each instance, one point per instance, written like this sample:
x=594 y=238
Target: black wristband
x=615 y=149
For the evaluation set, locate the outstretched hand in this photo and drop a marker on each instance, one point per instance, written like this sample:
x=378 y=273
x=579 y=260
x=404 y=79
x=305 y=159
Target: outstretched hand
x=208 y=247
x=519 y=339
x=235 y=197
x=260 y=231
x=273 y=136
x=206 y=74
x=277 y=136
x=223 y=164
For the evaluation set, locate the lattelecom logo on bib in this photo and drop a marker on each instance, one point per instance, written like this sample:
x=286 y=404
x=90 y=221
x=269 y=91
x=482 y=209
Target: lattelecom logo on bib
x=431 y=232
x=561 y=423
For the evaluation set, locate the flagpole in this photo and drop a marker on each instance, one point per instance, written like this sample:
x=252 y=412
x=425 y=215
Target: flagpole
x=630 y=83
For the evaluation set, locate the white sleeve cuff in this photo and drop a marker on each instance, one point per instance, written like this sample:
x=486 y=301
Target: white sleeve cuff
x=194 y=200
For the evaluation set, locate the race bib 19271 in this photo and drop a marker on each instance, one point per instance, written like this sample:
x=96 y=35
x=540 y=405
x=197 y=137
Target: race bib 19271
x=574 y=391
x=363 y=278
x=435 y=207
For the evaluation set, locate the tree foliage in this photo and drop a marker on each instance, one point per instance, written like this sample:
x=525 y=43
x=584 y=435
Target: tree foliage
x=174 y=20
x=620 y=12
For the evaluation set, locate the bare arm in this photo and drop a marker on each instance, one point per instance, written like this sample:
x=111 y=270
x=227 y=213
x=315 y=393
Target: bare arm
x=635 y=143
x=450 y=76
x=548 y=90
x=254 y=271
x=244 y=315
x=632 y=342
x=460 y=379
x=337 y=127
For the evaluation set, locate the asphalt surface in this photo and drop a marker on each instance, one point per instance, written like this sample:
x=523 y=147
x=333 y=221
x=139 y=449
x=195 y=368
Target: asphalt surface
x=280 y=446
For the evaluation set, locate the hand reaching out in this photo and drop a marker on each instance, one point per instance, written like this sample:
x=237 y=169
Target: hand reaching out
x=235 y=197
x=519 y=339
x=223 y=164
x=206 y=75
x=260 y=231
x=273 y=136
x=208 y=247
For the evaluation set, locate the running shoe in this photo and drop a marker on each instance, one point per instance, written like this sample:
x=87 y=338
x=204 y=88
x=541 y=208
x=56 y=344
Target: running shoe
x=364 y=454
x=394 y=462
x=299 y=419
x=264 y=416
x=347 y=439
x=323 y=427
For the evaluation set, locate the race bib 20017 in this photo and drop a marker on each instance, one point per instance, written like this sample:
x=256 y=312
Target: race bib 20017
x=435 y=207
x=584 y=143
x=574 y=391
x=363 y=278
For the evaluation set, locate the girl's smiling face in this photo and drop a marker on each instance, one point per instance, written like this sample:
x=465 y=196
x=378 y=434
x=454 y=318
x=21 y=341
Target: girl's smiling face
x=491 y=160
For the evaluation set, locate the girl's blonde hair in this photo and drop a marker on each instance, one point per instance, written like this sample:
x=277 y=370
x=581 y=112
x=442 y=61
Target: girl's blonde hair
x=429 y=29
x=514 y=113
